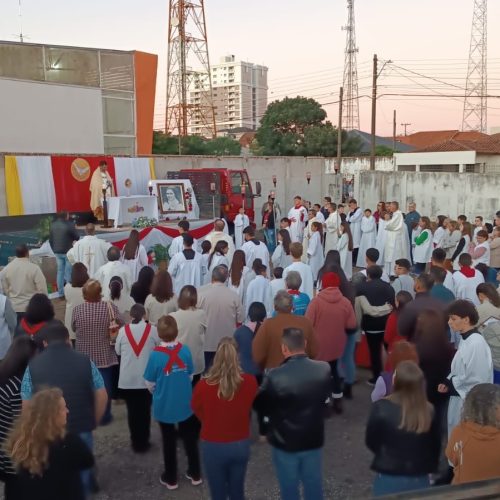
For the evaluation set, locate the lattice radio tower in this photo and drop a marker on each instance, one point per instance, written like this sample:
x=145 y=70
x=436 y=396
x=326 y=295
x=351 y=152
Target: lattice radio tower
x=350 y=113
x=475 y=105
x=188 y=45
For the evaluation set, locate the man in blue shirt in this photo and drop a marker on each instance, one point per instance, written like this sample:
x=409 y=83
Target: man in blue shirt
x=438 y=290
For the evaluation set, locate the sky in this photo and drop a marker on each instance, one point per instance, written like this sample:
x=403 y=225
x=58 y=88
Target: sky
x=302 y=44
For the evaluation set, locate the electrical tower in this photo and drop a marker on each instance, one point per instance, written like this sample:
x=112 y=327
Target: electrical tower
x=475 y=105
x=350 y=116
x=188 y=47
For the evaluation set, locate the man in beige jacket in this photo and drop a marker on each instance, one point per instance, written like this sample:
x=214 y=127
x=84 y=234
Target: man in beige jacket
x=21 y=279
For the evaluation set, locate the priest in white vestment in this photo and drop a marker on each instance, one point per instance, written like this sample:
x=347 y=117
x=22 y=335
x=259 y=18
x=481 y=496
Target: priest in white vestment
x=90 y=250
x=396 y=239
x=219 y=234
x=241 y=221
x=297 y=216
x=332 y=226
x=368 y=236
x=186 y=267
x=114 y=268
x=254 y=249
x=100 y=180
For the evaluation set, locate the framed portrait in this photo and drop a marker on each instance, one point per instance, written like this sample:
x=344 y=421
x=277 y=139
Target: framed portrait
x=171 y=198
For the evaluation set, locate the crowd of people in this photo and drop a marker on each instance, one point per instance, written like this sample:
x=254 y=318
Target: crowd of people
x=267 y=322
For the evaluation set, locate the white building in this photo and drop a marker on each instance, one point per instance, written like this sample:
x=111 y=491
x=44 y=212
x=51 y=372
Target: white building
x=239 y=95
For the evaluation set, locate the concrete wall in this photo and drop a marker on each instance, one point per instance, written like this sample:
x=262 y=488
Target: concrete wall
x=434 y=192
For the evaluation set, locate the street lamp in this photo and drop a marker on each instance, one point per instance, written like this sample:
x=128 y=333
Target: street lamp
x=212 y=190
x=275 y=180
x=150 y=187
x=308 y=177
x=105 y=186
x=243 y=193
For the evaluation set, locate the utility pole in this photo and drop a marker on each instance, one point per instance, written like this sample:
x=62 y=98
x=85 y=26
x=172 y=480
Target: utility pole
x=394 y=131
x=339 y=131
x=405 y=125
x=374 y=111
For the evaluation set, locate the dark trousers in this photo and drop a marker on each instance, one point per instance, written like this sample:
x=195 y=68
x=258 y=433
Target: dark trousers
x=209 y=359
x=225 y=465
x=420 y=267
x=336 y=380
x=138 y=403
x=260 y=416
x=188 y=431
x=355 y=252
x=20 y=316
x=375 y=341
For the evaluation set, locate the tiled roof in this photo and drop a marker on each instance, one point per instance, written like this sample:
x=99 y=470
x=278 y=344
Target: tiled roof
x=430 y=137
x=487 y=145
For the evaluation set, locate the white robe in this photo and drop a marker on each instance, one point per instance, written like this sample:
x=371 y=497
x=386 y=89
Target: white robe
x=253 y=251
x=217 y=260
x=472 y=365
x=259 y=290
x=332 y=228
x=345 y=255
x=368 y=239
x=396 y=242
x=242 y=287
x=465 y=288
x=438 y=236
x=110 y=270
x=136 y=264
x=91 y=251
x=186 y=271
x=298 y=217
x=306 y=237
x=380 y=241
x=315 y=254
x=177 y=246
x=354 y=219
x=277 y=284
x=240 y=223
x=280 y=258
x=216 y=236
x=306 y=274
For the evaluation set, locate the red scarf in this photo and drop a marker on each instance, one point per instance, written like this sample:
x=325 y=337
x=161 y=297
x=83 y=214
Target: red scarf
x=137 y=347
x=293 y=292
x=32 y=330
x=173 y=357
x=467 y=271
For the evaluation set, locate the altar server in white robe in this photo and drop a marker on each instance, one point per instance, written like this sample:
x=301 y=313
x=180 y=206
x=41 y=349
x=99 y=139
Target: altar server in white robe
x=241 y=221
x=177 y=244
x=111 y=269
x=313 y=217
x=368 y=236
x=90 y=250
x=315 y=249
x=344 y=247
x=381 y=236
x=259 y=290
x=297 y=216
x=304 y=270
x=186 y=267
x=467 y=279
x=472 y=363
x=254 y=249
x=281 y=256
x=332 y=225
x=397 y=241
x=218 y=257
x=354 y=218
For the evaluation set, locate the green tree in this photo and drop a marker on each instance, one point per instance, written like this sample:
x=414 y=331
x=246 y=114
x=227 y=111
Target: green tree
x=297 y=127
x=223 y=146
x=194 y=145
x=382 y=150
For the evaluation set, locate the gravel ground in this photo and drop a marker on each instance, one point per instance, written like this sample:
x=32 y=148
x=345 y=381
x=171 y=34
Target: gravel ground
x=126 y=476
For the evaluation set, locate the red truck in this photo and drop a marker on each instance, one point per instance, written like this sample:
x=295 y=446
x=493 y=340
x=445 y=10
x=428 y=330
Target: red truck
x=219 y=191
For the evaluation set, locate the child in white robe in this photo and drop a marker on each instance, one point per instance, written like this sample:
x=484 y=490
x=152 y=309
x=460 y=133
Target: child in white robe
x=344 y=247
x=241 y=221
x=315 y=249
x=368 y=236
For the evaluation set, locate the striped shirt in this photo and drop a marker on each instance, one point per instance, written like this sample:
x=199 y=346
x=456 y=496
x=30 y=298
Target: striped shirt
x=10 y=409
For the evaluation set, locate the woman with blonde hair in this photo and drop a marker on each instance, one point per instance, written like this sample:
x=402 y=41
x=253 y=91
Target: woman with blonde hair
x=222 y=401
x=403 y=434
x=49 y=460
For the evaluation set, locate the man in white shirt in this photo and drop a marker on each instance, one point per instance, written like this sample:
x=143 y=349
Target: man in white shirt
x=224 y=311
x=186 y=267
x=91 y=251
x=303 y=269
x=21 y=279
x=478 y=226
x=177 y=244
x=319 y=213
x=254 y=249
x=114 y=268
x=404 y=282
x=466 y=280
x=354 y=218
x=219 y=234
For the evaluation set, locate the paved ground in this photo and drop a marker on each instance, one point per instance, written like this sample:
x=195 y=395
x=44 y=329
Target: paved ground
x=126 y=476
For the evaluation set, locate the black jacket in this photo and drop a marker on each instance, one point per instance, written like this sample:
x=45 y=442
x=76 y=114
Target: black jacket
x=293 y=397
x=399 y=452
x=62 y=235
x=378 y=293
